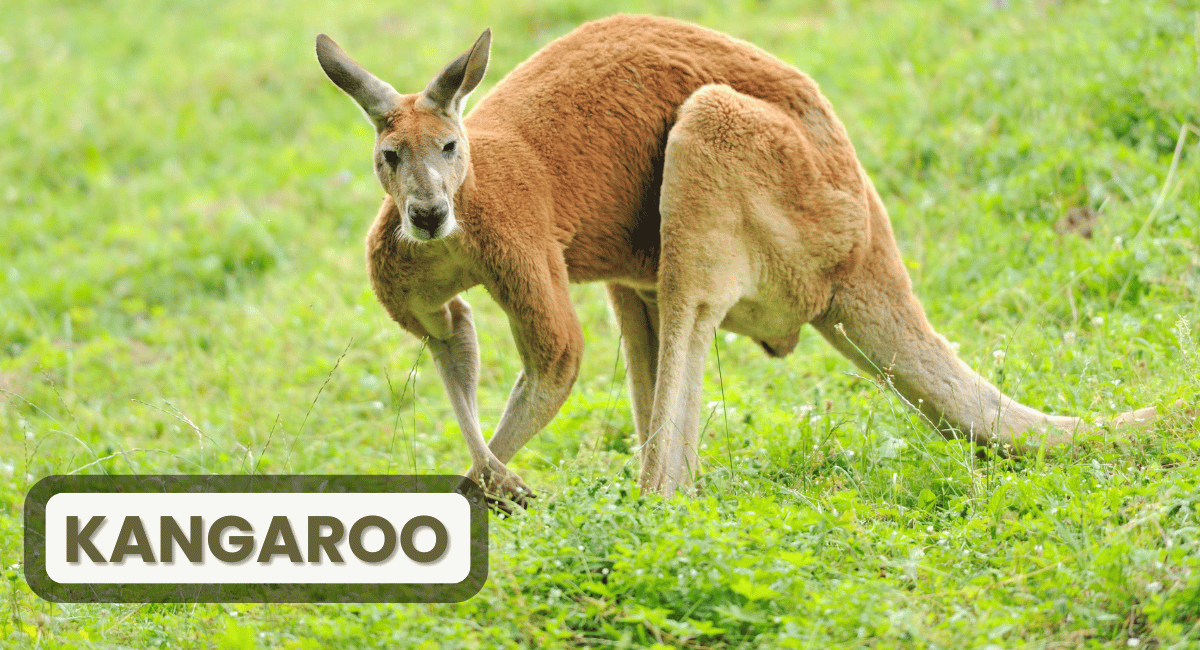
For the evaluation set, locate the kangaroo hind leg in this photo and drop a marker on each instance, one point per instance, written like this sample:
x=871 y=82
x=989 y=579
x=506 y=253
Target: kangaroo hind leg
x=713 y=192
x=638 y=320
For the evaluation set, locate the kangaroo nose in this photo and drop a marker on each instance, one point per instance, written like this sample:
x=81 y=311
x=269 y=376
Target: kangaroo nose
x=428 y=218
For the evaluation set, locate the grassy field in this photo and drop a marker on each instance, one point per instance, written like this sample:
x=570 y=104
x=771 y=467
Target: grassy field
x=183 y=198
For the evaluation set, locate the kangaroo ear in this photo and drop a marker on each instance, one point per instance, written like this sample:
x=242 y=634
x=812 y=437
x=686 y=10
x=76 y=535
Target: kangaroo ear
x=449 y=89
x=375 y=96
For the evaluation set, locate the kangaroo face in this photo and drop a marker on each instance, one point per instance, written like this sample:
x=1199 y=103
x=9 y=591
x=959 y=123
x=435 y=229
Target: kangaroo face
x=420 y=144
x=421 y=161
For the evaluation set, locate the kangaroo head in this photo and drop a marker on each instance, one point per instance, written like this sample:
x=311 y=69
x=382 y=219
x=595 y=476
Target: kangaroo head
x=421 y=150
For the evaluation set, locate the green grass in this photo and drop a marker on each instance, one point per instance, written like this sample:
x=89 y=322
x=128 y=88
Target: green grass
x=184 y=196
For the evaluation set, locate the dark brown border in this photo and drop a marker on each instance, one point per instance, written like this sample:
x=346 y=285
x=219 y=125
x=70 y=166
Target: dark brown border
x=41 y=584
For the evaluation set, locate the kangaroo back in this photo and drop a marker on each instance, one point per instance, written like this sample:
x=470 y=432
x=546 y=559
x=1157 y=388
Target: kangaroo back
x=596 y=107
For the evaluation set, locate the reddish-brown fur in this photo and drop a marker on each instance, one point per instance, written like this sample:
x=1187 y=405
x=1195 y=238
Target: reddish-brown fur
x=707 y=182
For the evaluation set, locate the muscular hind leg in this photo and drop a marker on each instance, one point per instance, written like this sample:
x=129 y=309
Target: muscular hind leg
x=703 y=269
x=699 y=271
x=721 y=207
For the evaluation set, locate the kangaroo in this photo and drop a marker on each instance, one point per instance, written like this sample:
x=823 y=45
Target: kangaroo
x=706 y=182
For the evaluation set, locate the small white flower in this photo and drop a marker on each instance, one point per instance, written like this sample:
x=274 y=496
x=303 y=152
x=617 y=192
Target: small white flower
x=730 y=337
x=1069 y=338
x=998 y=356
x=1097 y=321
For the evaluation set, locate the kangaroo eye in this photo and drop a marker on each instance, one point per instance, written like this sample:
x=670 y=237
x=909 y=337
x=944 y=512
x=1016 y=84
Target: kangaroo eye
x=391 y=156
x=449 y=147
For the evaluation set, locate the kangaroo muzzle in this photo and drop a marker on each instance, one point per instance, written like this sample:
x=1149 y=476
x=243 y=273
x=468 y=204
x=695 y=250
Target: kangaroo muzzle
x=429 y=220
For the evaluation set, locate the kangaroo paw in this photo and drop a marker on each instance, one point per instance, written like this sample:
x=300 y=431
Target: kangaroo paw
x=502 y=487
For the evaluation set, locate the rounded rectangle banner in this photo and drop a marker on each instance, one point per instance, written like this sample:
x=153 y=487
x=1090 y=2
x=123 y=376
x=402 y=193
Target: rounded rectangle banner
x=167 y=538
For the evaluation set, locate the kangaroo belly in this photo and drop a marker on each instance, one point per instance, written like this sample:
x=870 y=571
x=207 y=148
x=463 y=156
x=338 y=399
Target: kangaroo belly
x=776 y=331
